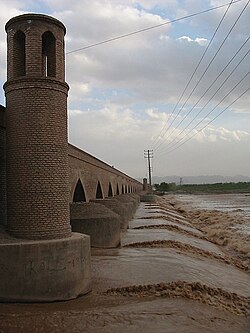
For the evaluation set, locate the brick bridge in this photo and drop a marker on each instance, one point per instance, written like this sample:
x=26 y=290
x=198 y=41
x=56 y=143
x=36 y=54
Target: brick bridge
x=55 y=199
x=89 y=177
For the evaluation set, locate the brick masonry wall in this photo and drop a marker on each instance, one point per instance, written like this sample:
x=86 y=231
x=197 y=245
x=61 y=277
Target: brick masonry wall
x=85 y=167
x=36 y=140
x=91 y=170
x=37 y=161
x=37 y=152
x=33 y=26
x=2 y=166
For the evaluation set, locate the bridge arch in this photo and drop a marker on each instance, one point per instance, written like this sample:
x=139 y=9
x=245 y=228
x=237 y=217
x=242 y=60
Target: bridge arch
x=117 y=190
x=110 y=192
x=79 y=193
x=99 y=192
x=96 y=177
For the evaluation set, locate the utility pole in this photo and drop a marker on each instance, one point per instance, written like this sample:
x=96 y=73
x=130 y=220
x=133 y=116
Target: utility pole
x=149 y=154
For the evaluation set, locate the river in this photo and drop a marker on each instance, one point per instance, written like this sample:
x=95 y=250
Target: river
x=165 y=277
x=237 y=204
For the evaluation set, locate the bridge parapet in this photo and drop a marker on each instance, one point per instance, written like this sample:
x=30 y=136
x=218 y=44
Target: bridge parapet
x=98 y=180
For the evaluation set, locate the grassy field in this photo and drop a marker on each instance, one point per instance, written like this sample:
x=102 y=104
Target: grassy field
x=216 y=188
x=241 y=187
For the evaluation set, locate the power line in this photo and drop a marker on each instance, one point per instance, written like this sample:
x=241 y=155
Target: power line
x=206 y=69
x=215 y=108
x=160 y=25
x=155 y=142
x=149 y=28
x=181 y=139
x=235 y=100
x=221 y=85
x=211 y=120
x=205 y=72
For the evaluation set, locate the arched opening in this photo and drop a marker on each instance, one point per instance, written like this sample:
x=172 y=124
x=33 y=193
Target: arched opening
x=110 y=193
x=117 y=190
x=99 y=194
x=49 y=54
x=79 y=194
x=19 y=54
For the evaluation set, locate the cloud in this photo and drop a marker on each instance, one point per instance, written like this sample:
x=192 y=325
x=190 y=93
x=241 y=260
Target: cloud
x=144 y=64
x=119 y=137
x=214 y=134
x=122 y=93
x=200 y=41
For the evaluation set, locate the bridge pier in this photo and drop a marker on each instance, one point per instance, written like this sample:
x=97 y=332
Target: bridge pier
x=97 y=221
x=130 y=202
x=117 y=207
x=40 y=258
x=45 y=270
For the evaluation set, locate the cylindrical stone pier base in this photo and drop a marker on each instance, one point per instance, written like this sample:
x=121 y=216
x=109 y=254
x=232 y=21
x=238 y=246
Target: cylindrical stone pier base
x=45 y=271
x=129 y=202
x=97 y=221
x=117 y=207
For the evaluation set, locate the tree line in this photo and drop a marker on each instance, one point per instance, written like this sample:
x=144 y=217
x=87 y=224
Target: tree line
x=239 y=187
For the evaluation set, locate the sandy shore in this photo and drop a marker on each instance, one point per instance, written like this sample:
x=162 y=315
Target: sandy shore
x=178 y=269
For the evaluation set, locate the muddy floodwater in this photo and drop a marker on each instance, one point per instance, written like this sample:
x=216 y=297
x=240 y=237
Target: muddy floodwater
x=183 y=266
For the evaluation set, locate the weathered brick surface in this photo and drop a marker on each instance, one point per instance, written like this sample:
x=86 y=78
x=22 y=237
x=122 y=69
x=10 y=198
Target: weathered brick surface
x=2 y=166
x=39 y=188
x=34 y=26
x=36 y=141
x=91 y=170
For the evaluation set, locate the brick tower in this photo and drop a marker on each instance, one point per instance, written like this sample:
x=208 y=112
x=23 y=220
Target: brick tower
x=40 y=259
x=2 y=166
x=37 y=156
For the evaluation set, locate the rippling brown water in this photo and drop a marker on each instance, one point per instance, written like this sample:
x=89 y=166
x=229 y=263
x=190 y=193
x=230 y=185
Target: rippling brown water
x=166 y=277
x=224 y=218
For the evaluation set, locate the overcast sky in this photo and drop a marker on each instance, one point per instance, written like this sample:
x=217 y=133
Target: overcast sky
x=123 y=94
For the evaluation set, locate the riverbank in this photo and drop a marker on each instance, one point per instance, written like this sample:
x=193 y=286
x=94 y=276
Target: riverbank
x=167 y=276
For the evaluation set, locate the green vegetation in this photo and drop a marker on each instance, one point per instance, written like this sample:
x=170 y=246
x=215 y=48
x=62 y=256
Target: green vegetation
x=240 y=187
x=165 y=187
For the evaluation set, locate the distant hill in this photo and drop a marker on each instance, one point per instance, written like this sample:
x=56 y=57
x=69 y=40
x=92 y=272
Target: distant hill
x=201 y=179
